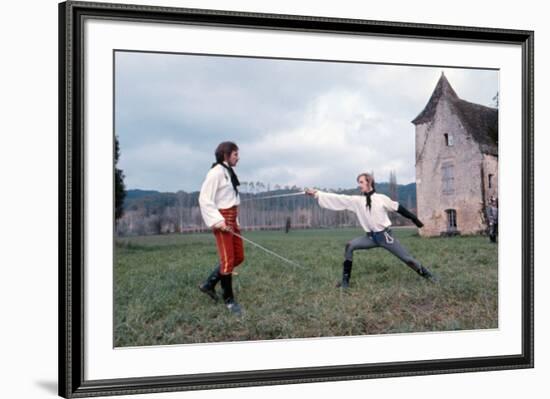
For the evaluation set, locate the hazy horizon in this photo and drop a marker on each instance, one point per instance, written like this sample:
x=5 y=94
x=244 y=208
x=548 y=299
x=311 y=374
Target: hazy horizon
x=272 y=188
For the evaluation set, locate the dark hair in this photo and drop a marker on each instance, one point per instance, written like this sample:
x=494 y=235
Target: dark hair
x=368 y=177
x=225 y=149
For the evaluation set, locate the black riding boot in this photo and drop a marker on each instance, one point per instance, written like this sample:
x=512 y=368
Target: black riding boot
x=427 y=274
x=227 y=293
x=346 y=274
x=422 y=271
x=209 y=286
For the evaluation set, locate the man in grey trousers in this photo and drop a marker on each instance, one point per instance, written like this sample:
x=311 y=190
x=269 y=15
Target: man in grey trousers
x=492 y=217
x=372 y=211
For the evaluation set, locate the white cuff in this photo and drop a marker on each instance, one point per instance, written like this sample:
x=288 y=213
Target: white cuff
x=217 y=223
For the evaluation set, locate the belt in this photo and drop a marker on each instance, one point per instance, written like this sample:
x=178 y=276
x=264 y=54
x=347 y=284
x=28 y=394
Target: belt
x=234 y=208
x=385 y=234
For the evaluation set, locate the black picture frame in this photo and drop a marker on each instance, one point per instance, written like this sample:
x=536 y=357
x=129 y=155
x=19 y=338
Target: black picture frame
x=71 y=199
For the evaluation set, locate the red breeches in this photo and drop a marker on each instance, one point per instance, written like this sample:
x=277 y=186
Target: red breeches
x=230 y=247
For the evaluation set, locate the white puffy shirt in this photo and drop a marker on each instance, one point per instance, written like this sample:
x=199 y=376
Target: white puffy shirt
x=374 y=220
x=216 y=193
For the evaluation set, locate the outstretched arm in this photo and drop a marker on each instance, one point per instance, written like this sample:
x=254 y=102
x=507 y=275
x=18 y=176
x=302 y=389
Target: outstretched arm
x=336 y=202
x=409 y=215
x=395 y=206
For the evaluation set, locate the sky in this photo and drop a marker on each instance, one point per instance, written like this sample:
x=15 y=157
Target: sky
x=303 y=123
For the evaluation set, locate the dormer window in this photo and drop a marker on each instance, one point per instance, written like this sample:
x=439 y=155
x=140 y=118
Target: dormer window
x=448 y=139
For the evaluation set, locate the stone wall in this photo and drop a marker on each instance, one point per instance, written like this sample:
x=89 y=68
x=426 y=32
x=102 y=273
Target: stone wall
x=490 y=167
x=465 y=164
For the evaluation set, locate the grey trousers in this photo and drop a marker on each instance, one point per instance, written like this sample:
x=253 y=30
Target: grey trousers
x=385 y=240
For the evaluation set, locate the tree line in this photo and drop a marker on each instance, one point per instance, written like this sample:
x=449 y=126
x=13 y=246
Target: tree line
x=140 y=212
x=152 y=212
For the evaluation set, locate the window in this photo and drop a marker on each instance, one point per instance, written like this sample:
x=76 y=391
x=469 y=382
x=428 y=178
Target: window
x=448 y=139
x=447 y=176
x=451 y=219
x=491 y=181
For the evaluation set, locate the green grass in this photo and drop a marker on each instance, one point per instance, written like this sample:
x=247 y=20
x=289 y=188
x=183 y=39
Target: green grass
x=157 y=301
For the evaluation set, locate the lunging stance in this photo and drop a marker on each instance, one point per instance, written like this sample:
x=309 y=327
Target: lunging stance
x=372 y=211
x=219 y=203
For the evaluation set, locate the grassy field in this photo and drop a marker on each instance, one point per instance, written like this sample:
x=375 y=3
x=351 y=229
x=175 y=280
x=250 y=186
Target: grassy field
x=157 y=301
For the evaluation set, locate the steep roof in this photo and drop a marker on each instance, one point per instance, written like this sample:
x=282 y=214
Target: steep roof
x=482 y=123
x=442 y=89
x=479 y=120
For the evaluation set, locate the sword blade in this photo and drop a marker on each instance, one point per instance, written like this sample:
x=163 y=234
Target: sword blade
x=273 y=196
x=291 y=262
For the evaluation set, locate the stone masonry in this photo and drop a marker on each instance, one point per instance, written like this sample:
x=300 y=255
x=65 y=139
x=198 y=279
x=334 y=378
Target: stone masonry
x=456 y=163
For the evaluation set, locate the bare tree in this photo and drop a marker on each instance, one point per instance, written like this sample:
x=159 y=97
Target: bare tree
x=393 y=186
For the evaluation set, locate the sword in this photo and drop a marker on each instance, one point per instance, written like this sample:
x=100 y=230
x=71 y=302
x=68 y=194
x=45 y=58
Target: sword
x=291 y=262
x=274 y=196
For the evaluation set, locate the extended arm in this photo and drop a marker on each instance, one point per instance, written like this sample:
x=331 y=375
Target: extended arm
x=409 y=215
x=336 y=202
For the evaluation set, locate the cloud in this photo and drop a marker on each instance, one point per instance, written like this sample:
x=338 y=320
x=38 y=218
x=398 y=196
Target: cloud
x=296 y=122
x=342 y=134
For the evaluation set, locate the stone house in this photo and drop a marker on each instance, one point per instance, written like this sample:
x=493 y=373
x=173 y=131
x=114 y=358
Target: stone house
x=456 y=163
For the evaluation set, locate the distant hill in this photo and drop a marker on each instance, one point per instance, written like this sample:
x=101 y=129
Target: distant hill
x=137 y=193
x=150 y=200
x=404 y=192
x=155 y=212
x=154 y=201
